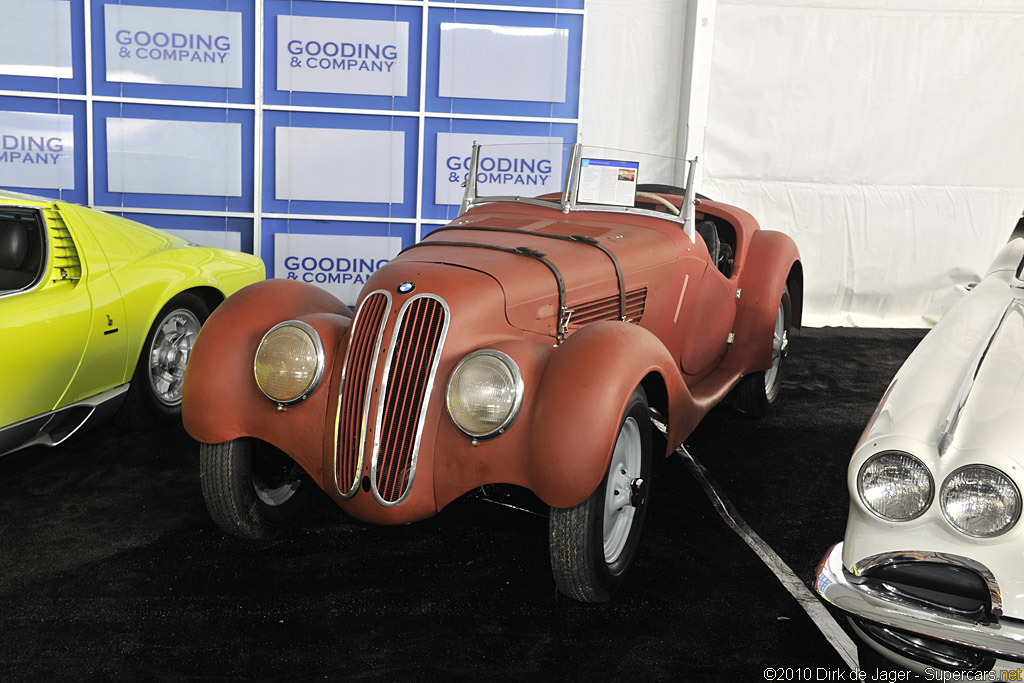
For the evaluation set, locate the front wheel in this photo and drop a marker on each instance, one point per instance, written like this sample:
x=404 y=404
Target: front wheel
x=154 y=397
x=252 y=490
x=758 y=391
x=593 y=544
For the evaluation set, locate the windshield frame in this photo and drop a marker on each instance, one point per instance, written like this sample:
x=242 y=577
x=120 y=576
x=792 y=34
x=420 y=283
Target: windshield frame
x=569 y=200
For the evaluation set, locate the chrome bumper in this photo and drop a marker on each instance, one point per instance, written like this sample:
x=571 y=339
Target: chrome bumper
x=1004 y=638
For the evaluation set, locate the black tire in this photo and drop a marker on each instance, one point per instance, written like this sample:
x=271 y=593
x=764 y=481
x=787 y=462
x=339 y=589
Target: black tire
x=582 y=566
x=154 y=396
x=758 y=391
x=252 y=490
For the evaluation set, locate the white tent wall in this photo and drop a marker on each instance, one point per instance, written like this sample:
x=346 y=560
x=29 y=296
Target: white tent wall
x=633 y=74
x=883 y=135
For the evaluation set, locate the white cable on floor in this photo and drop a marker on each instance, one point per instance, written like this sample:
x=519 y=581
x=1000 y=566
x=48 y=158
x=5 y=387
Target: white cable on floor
x=834 y=633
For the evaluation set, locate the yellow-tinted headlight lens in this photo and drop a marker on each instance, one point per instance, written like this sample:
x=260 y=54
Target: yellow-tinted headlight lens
x=289 y=362
x=484 y=393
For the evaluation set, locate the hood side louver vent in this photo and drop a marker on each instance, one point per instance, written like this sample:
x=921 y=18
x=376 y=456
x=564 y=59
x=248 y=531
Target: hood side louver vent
x=607 y=308
x=65 y=264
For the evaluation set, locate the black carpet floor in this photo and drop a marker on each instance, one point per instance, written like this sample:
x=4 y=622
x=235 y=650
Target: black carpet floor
x=110 y=568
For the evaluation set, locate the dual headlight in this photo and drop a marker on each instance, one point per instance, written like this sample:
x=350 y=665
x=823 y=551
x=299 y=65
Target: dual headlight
x=289 y=362
x=483 y=396
x=484 y=393
x=977 y=500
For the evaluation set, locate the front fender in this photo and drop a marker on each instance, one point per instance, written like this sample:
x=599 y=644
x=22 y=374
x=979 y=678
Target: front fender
x=771 y=263
x=220 y=398
x=584 y=390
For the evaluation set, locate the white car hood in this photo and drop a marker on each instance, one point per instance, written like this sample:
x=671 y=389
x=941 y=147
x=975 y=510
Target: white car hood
x=974 y=355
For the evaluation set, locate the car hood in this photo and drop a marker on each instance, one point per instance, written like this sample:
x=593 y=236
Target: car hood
x=963 y=386
x=527 y=252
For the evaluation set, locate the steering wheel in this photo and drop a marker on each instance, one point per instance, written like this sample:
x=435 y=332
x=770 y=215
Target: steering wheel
x=661 y=200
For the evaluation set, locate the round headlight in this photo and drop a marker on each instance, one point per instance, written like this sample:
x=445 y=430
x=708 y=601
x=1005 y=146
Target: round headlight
x=484 y=393
x=896 y=486
x=980 y=501
x=289 y=362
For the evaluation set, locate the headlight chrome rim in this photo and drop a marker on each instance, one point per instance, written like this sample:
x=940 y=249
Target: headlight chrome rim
x=999 y=473
x=891 y=453
x=318 y=374
x=517 y=379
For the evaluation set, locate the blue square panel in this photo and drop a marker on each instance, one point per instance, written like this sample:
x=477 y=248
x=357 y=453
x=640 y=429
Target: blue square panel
x=338 y=256
x=447 y=144
x=183 y=50
x=43 y=149
x=43 y=48
x=342 y=55
x=173 y=157
x=503 y=63
x=339 y=164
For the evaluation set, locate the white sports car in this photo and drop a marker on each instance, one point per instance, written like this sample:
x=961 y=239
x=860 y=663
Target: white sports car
x=931 y=570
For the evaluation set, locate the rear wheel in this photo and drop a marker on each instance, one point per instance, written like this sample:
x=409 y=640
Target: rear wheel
x=594 y=543
x=252 y=490
x=758 y=391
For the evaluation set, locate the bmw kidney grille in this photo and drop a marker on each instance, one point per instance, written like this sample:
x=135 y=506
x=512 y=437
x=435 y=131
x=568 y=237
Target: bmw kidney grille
x=405 y=382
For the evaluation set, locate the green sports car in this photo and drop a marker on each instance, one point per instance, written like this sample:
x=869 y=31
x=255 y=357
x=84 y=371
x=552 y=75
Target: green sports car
x=98 y=313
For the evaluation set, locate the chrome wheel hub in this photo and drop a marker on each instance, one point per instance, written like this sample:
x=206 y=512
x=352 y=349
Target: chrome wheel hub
x=624 y=490
x=172 y=344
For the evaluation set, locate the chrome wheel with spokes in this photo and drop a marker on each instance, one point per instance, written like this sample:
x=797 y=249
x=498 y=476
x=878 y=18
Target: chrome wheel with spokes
x=154 y=396
x=172 y=343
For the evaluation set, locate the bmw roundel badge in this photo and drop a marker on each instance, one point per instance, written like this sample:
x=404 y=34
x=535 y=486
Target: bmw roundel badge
x=406 y=287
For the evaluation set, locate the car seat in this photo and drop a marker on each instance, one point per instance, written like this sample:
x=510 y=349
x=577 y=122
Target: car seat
x=13 y=252
x=709 y=233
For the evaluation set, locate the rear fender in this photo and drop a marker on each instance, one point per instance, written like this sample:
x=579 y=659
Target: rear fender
x=772 y=261
x=584 y=390
x=220 y=398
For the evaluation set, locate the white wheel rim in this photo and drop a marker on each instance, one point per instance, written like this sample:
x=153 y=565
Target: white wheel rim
x=780 y=346
x=618 y=507
x=172 y=343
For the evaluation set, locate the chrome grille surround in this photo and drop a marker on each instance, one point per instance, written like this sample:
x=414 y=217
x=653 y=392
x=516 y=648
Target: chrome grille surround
x=401 y=406
x=367 y=326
